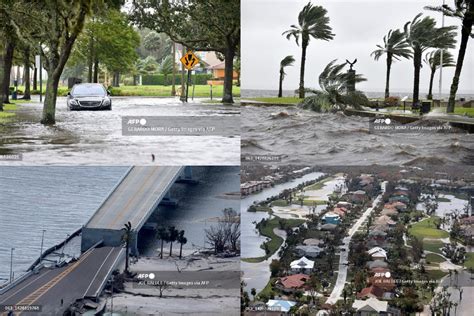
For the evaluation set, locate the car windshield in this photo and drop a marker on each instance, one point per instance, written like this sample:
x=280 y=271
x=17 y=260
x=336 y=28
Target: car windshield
x=88 y=90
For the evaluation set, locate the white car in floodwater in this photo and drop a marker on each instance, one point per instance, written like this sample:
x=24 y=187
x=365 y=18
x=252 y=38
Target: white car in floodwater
x=89 y=96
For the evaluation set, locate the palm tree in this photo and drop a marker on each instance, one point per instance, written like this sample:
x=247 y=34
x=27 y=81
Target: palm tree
x=463 y=10
x=422 y=34
x=182 y=241
x=285 y=62
x=395 y=46
x=172 y=237
x=433 y=60
x=312 y=22
x=127 y=237
x=162 y=234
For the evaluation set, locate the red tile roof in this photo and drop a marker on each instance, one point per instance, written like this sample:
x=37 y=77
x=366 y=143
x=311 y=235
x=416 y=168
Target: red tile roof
x=372 y=291
x=294 y=281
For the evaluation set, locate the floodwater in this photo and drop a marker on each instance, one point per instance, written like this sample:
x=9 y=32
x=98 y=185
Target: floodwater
x=57 y=199
x=62 y=199
x=306 y=137
x=95 y=137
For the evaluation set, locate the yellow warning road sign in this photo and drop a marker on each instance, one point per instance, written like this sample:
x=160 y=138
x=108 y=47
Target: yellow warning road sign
x=189 y=60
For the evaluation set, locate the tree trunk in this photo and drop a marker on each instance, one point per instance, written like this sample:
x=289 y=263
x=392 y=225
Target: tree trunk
x=161 y=254
x=1 y=77
x=465 y=33
x=127 y=255
x=35 y=79
x=171 y=248
x=90 y=59
x=7 y=67
x=49 y=106
x=26 y=62
x=173 y=87
x=280 y=86
x=180 y=251
x=116 y=79
x=387 y=78
x=96 y=70
x=228 y=74
x=430 y=90
x=417 y=55
x=303 y=62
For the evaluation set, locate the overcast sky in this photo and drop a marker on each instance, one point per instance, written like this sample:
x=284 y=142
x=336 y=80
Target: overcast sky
x=358 y=26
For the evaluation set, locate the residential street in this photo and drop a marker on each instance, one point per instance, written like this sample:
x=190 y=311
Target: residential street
x=343 y=257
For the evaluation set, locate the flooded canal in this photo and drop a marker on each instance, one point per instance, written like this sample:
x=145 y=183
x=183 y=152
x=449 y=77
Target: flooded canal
x=95 y=137
x=306 y=137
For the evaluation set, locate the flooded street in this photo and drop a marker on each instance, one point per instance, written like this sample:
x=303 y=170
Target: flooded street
x=95 y=137
x=306 y=137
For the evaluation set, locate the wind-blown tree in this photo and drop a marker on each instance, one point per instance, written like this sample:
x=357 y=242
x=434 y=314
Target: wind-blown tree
x=395 y=47
x=285 y=62
x=463 y=10
x=422 y=34
x=312 y=23
x=333 y=95
x=182 y=241
x=162 y=234
x=433 y=60
x=127 y=237
x=210 y=25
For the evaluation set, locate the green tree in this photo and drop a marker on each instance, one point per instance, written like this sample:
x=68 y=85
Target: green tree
x=285 y=62
x=433 y=60
x=127 y=237
x=463 y=10
x=202 y=25
x=166 y=67
x=394 y=46
x=312 y=23
x=422 y=34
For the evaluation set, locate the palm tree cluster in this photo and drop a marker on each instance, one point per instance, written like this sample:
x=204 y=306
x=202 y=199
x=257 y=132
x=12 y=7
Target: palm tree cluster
x=171 y=235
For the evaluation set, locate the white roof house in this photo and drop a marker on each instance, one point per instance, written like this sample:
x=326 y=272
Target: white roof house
x=280 y=305
x=302 y=263
x=377 y=252
x=370 y=305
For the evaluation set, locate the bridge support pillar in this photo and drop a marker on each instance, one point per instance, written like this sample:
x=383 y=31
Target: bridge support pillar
x=168 y=200
x=187 y=176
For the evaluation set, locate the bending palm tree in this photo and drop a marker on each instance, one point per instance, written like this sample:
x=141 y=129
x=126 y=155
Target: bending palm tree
x=433 y=60
x=182 y=240
x=172 y=236
x=395 y=46
x=464 y=10
x=312 y=22
x=422 y=34
x=162 y=234
x=285 y=62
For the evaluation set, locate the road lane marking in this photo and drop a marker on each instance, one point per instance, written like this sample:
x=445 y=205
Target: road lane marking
x=98 y=270
x=39 y=277
x=34 y=296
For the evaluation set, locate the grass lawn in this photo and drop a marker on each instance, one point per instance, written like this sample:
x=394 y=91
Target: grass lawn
x=275 y=241
x=318 y=185
x=436 y=274
x=433 y=246
x=313 y=202
x=469 y=263
x=427 y=229
x=6 y=114
x=267 y=290
x=432 y=258
x=443 y=199
x=275 y=100
x=279 y=203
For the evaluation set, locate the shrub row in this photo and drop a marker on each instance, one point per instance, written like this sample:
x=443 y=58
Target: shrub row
x=160 y=79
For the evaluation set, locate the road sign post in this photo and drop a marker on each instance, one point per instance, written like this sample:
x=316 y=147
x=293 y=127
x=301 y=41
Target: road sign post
x=189 y=60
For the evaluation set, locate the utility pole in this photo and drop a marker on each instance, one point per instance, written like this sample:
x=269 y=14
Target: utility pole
x=11 y=265
x=41 y=251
